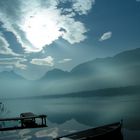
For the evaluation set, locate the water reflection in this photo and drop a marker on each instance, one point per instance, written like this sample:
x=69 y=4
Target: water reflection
x=91 y=112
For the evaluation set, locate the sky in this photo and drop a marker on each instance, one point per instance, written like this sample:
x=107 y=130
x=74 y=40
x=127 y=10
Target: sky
x=39 y=35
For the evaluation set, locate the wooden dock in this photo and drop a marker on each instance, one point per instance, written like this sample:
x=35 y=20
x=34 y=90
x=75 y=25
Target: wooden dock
x=27 y=121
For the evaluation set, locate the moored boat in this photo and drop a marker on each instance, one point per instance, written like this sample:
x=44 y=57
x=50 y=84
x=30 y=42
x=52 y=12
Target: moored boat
x=106 y=132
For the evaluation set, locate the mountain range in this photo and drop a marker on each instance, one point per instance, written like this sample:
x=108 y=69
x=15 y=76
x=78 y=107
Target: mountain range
x=119 y=71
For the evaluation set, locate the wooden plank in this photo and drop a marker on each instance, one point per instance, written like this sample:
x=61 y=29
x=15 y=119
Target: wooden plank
x=10 y=119
x=22 y=118
x=18 y=127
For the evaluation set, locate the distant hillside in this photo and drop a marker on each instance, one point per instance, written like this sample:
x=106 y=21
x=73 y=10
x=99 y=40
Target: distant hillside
x=118 y=71
x=127 y=58
x=55 y=74
x=108 y=92
x=10 y=75
x=122 y=70
x=13 y=85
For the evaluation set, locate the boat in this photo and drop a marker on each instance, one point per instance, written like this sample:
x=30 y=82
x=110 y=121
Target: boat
x=26 y=120
x=105 y=132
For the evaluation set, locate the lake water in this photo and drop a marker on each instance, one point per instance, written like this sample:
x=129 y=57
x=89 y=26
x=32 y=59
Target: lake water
x=92 y=112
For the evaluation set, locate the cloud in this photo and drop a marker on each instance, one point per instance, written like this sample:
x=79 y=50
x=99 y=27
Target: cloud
x=65 y=60
x=137 y=0
x=4 y=47
x=82 y=6
x=13 y=63
x=48 y=61
x=74 y=30
x=38 y=23
x=106 y=36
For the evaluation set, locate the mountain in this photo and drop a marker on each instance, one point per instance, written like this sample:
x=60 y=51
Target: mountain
x=55 y=74
x=13 y=85
x=10 y=75
x=107 y=92
x=127 y=58
x=121 y=70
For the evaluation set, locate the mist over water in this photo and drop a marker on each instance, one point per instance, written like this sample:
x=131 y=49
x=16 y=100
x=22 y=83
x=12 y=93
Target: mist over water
x=92 y=112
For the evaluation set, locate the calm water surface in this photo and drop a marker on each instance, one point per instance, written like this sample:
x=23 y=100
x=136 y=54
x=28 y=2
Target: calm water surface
x=93 y=111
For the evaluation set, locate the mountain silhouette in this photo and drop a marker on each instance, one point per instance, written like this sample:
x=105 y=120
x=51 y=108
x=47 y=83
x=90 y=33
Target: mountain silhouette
x=55 y=74
x=127 y=58
x=122 y=70
x=14 y=85
x=10 y=75
x=118 y=71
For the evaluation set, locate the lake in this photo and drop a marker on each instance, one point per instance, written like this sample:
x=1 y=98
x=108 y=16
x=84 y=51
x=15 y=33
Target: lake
x=82 y=112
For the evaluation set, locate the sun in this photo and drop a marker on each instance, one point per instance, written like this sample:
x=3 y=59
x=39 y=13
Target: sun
x=42 y=29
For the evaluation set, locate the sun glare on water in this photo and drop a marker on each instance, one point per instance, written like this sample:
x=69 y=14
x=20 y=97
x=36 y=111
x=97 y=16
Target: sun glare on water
x=42 y=29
